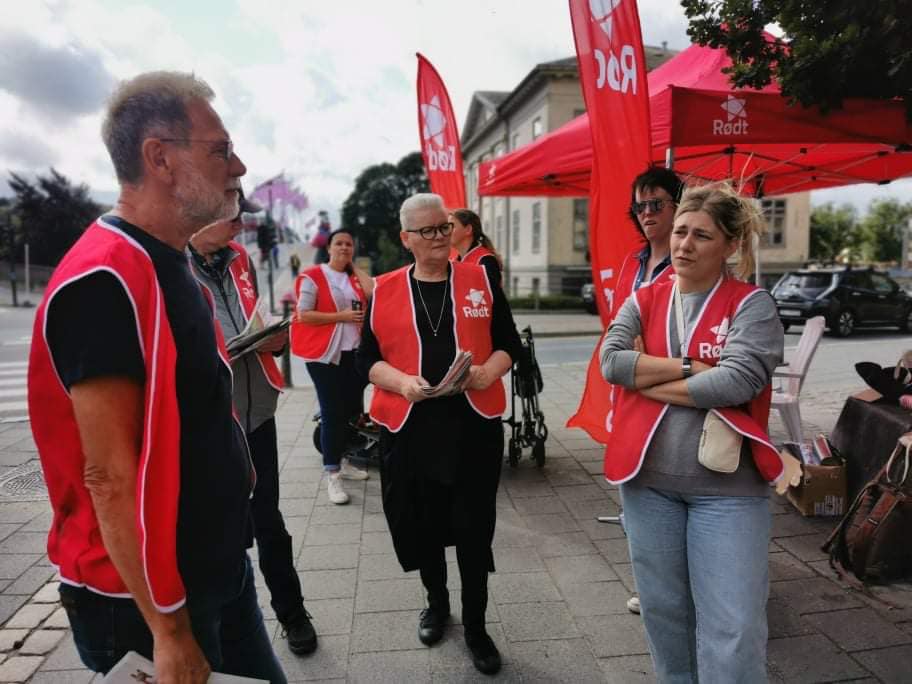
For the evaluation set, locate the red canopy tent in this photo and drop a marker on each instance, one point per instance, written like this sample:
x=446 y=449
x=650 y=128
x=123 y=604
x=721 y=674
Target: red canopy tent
x=713 y=132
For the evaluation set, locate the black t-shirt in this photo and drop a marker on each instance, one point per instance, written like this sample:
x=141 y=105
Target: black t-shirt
x=489 y=261
x=214 y=526
x=451 y=415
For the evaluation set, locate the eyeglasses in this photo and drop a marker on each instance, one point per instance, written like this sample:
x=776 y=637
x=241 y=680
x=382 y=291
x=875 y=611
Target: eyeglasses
x=654 y=205
x=225 y=149
x=431 y=232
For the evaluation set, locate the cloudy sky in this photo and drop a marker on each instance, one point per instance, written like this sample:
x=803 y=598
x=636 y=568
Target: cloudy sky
x=319 y=90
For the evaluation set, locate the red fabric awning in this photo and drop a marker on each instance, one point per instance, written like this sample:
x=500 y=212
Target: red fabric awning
x=753 y=137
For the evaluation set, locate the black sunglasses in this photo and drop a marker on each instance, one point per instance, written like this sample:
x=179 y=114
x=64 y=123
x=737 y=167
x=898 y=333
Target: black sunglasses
x=654 y=205
x=430 y=232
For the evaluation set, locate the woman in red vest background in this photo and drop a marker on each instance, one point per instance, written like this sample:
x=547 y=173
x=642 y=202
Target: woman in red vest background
x=331 y=300
x=703 y=342
x=441 y=456
x=473 y=245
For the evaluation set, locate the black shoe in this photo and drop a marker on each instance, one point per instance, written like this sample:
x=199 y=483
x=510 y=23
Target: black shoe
x=485 y=655
x=302 y=638
x=430 y=624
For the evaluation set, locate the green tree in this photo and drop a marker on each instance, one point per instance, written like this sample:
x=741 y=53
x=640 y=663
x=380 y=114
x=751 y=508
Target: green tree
x=831 y=50
x=882 y=229
x=833 y=230
x=51 y=214
x=372 y=209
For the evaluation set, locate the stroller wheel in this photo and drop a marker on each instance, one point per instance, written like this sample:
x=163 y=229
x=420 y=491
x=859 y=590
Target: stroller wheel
x=316 y=439
x=513 y=452
x=538 y=452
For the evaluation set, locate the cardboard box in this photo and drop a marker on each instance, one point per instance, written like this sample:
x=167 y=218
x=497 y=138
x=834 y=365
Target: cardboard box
x=821 y=491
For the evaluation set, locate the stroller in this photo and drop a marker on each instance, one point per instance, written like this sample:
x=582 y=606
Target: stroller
x=530 y=430
x=362 y=446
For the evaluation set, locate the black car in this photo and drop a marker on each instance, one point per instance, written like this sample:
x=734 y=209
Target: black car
x=847 y=298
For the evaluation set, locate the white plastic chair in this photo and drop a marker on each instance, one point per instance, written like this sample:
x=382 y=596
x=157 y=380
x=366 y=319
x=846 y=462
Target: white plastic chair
x=785 y=397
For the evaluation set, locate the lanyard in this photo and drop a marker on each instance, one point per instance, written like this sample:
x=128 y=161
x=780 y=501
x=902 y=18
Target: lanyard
x=683 y=339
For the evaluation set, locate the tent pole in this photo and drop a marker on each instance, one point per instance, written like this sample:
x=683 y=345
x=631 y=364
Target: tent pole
x=669 y=157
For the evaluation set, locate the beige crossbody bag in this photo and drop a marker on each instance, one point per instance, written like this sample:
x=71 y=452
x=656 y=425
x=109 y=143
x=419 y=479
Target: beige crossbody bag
x=720 y=446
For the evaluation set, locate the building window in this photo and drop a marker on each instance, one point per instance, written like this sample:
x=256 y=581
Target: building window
x=514 y=238
x=514 y=144
x=499 y=149
x=580 y=225
x=515 y=291
x=536 y=287
x=774 y=213
x=536 y=228
x=498 y=233
x=537 y=129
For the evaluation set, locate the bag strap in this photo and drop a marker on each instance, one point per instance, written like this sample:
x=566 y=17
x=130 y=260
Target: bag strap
x=884 y=505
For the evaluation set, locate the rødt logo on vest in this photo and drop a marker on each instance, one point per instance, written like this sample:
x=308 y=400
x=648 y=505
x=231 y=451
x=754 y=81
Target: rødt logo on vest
x=479 y=308
x=619 y=73
x=707 y=349
x=247 y=289
x=736 y=117
x=440 y=156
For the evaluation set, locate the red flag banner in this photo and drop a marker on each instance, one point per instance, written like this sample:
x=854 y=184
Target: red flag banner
x=612 y=67
x=439 y=136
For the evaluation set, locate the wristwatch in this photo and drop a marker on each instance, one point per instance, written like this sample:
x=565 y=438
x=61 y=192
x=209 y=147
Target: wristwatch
x=686 y=366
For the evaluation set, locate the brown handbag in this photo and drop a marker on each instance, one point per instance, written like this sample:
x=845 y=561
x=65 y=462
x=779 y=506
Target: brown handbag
x=874 y=539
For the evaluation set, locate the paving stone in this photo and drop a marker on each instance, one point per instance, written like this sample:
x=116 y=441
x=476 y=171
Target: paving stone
x=329 y=661
x=536 y=621
x=521 y=559
x=526 y=587
x=784 y=566
x=332 y=616
x=19 y=668
x=338 y=557
x=581 y=492
x=892 y=665
x=82 y=676
x=599 y=530
x=379 y=566
x=49 y=593
x=614 y=550
x=511 y=535
x=792 y=524
x=859 y=629
x=9 y=637
x=404 y=666
x=41 y=641
x=591 y=509
x=815 y=595
x=324 y=584
x=24 y=542
x=30 y=616
x=562 y=660
x=337 y=515
x=574 y=569
x=567 y=475
x=375 y=522
x=9 y=605
x=57 y=620
x=450 y=660
x=811 y=658
x=6 y=529
x=21 y=511
x=322 y=535
x=376 y=542
x=585 y=599
x=390 y=631
x=784 y=620
x=569 y=544
x=627 y=669
x=805 y=547
x=539 y=505
x=14 y=564
x=32 y=580
x=552 y=523
x=615 y=635
x=519 y=490
x=387 y=595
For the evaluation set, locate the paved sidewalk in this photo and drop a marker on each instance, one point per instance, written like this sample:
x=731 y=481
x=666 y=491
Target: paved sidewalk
x=557 y=606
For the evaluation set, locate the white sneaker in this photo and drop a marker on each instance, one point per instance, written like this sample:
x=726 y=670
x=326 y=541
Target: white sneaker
x=633 y=604
x=335 y=490
x=351 y=472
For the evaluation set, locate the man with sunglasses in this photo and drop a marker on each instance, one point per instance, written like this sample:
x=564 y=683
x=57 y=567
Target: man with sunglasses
x=148 y=472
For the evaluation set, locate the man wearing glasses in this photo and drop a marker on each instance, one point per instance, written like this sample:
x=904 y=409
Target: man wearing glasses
x=148 y=472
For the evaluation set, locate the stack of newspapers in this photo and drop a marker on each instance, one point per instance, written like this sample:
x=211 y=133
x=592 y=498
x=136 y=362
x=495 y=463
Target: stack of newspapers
x=454 y=378
x=133 y=668
x=261 y=326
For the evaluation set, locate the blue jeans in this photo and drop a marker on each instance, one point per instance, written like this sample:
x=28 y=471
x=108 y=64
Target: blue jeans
x=225 y=617
x=340 y=391
x=701 y=568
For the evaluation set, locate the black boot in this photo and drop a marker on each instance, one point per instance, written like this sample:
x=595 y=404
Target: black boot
x=432 y=619
x=485 y=655
x=302 y=637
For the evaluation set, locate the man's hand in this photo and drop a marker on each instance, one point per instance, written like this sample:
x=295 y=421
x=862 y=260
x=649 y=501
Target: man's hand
x=178 y=659
x=216 y=235
x=351 y=316
x=411 y=388
x=276 y=343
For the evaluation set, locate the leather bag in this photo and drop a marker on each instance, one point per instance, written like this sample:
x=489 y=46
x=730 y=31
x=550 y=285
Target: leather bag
x=872 y=541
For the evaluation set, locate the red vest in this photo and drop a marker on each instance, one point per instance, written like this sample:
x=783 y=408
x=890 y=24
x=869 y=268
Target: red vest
x=394 y=325
x=627 y=279
x=74 y=541
x=311 y=342
x=476 y=254
x=637 y=417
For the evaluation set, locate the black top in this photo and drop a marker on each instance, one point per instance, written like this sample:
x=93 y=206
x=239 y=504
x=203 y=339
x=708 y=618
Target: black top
x=489 y=261
x=214 y=528
x=451 y=415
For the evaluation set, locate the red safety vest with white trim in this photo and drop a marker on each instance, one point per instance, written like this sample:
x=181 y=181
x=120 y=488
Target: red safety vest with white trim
x=394 y=325
x=247 y=295
x=311 y=342
x=627 y=279
x=74 y=540
x=637 y=417
x=476 y=254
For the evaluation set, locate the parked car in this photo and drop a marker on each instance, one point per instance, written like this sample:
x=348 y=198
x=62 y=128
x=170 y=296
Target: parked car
x=846 y=297
x=587 y=293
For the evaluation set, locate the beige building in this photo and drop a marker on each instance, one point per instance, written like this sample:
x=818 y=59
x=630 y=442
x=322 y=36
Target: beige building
x=544 y=241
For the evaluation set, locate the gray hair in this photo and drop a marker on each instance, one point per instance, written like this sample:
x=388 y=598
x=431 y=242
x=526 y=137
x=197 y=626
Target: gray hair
x=151 y=104
x=419 y=202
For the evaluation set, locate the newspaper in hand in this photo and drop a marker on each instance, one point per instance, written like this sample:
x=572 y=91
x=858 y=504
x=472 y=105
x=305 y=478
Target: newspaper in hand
x=133 y=668
x=261 y=326
x=454 y=377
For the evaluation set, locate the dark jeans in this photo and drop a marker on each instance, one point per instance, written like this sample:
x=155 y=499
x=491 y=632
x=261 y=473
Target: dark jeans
x=273 y=541
x=225 y=617
x=340 y=391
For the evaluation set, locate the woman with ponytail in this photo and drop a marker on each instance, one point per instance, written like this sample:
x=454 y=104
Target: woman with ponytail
x=473 y=245
x=697 y=518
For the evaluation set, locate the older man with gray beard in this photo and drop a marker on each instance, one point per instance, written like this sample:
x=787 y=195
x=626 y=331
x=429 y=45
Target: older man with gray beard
x=148 y=472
